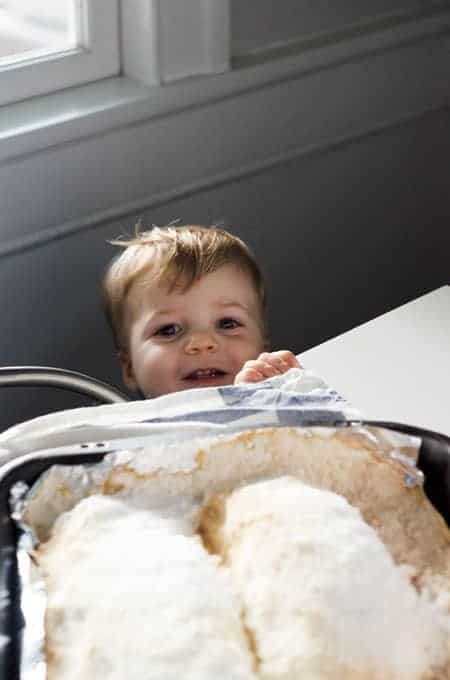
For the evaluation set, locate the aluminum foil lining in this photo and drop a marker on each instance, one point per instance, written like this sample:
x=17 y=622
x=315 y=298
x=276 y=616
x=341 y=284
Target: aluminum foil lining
x=81 y=478
x=33 y=600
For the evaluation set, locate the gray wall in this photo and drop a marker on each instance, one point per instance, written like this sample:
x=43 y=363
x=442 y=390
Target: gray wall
x=278 y=22
x=345 y=230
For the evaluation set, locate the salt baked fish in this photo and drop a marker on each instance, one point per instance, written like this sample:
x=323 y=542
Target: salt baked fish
x=321 y=595
x=131 y=596
x=303 y=552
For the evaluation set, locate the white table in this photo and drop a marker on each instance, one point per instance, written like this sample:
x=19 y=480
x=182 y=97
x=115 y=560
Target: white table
x=395 y=367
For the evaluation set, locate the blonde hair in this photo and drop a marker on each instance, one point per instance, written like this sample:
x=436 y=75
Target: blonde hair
x=174 y=257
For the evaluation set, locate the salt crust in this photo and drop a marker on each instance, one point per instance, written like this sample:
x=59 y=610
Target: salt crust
x=198 y=466
x=321 y=592
x=348 y=464
x=302 y=577
x=131 y=595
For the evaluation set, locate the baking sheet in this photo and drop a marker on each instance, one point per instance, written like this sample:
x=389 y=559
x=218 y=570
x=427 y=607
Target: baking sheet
x=79 y=481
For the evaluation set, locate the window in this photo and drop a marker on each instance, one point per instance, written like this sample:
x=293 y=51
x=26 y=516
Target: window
x=28 y=29
x=47 y=46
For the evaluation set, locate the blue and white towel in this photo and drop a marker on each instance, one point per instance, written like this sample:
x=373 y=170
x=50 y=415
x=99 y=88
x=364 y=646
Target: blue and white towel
x=297 y=398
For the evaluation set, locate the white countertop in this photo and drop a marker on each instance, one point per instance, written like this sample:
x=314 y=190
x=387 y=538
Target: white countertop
x=395 y=367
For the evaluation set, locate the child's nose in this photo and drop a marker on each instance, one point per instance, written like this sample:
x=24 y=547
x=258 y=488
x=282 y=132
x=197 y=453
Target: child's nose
x=201 y=341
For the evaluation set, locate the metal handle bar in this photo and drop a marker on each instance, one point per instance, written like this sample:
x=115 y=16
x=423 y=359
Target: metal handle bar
x=47 y=376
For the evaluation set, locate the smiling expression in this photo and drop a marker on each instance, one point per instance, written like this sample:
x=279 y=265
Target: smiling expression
x=197 y=338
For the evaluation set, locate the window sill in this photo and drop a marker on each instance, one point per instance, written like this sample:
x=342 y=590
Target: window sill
x=43 y=122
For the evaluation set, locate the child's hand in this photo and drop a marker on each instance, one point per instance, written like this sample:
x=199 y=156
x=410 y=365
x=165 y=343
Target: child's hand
x=267 y=365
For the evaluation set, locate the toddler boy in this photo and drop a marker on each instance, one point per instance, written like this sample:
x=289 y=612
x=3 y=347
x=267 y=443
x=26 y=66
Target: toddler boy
x=186 y=306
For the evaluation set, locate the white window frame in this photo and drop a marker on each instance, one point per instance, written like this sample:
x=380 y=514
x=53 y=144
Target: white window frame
x=168 y=40
x=98 y=57
x=134 y=93
x=150 y=41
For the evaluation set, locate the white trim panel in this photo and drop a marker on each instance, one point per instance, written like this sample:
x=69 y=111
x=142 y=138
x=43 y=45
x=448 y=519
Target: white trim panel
x=29 y=126
x=169 y=40
x=140 y=40
x=194 y=38
x=137 y=165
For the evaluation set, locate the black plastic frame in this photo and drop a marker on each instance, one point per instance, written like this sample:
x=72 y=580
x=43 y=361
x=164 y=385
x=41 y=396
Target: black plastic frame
x=27 y=469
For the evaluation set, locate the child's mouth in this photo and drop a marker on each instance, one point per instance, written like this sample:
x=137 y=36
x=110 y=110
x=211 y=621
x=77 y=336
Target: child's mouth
x=205 y=374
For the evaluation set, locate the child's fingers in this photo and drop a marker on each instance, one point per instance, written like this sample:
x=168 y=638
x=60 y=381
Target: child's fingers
x=255 y=370
x=269 y=368
x=278 y=364
x=288 y=357
x=282 y=360
x=248 y=374
x=267 y=365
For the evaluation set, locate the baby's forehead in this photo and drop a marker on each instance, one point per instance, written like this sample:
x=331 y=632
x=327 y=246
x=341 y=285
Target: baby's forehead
x=220 y=288
x=171 y=281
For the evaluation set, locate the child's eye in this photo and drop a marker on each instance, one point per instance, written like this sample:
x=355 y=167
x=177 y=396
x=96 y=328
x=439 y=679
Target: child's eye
x=169 y=330
x=228 y=324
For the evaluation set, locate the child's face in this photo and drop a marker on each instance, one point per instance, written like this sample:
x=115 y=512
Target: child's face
x=198 y=338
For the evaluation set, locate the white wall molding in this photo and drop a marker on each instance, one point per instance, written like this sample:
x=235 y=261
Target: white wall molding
x=31 y=126
x=139 y=206
x=139 y=24
x=168 y=40
x=148 y=156
x=194 y=38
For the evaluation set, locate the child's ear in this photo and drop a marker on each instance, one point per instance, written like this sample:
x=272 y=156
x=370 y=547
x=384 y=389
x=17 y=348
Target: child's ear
x=127 y=371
